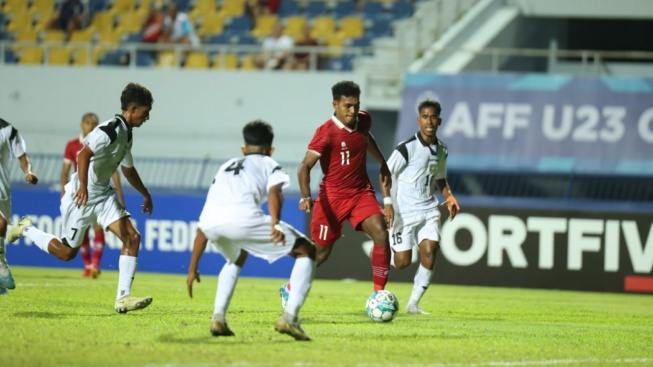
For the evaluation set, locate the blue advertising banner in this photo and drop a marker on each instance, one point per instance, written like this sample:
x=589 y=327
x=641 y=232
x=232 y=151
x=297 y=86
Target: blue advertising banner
x=538 y=122
x=166 y=237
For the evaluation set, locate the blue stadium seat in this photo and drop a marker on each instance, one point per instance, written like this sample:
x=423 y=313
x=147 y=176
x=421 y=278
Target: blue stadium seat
x=4 y=35
x=183 y=5
x=96 y=5
x=224 y=38
x=247 y=40
x=114 y=58
x=144 y=58
x=364 y=41
x=401 y=9
x=10 y=57
x=133 y=37
x=342 y=63
x=343 y=9
x=288 y=8
x=316 y=9
x=381 y=28
x=2 y=20
x=372 y=10
x=239 y=25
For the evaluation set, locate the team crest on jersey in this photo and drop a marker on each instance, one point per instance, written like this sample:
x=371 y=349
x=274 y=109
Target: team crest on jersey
x=433 y=166
x=343 y=145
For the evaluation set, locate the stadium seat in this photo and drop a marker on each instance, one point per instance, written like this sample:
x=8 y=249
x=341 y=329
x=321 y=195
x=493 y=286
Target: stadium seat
x=27 y=35
x=133 y=37
x=54 y=35
x=20 y=20
x=294 y=26
x=342 y=63
x=248 y=63
x=31 y=56
x=122 y=6
x=316 y=9
x=202 y=8
x=80 y=56
x=43 y=5
x=228 y=61
x=211 y=23
x=82 y=35
x=43 y=18
x=246 y=40
x=343 y=9
x=183 y=5
x=166 y=60
x=4 y=35
x=197 y=60
x=102 y=22
x=323 y=27
x=10 y=57
x=144 y=59
x=372 y=10
x=224 y=38
x=109 y=37
x=352 y=27
x=11 y=6
x=113 y=58
x=232 y=8
x=380 y=28
x=130 y=22
x=95 y=6
x=288 y=8
x=59 y=56
x=401 y=9
x=264 y=25
x=239 y=25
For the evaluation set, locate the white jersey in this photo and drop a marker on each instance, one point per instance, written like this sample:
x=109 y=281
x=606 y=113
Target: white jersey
x=416 y=166
x=240 y=188
x=11 y=145
x=111 y=143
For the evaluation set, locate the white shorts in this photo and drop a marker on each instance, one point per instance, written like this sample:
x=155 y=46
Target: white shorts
x=76 y=220
x=253 y=236
x=5 y=209
x=409 y=232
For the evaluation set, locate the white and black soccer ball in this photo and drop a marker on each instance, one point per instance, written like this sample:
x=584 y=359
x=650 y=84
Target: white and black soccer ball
x=382 y=306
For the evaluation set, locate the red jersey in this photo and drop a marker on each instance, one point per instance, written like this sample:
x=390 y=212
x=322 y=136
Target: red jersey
x=343 y=156
x=72 y=148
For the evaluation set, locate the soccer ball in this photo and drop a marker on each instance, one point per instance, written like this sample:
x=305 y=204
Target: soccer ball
x=382 y=306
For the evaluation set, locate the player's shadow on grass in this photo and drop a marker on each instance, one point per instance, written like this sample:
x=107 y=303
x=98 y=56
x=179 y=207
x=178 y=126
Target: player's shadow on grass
x=207 y=339
x=39 y=315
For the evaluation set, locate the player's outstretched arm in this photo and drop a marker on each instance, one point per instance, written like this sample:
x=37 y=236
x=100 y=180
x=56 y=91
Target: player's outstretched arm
x=83 y=162
x=304 y=178
x=26 y=166
x=275 y=202
x=135 y=180
x=450 y=200
x=198 y=249
x=65 y=171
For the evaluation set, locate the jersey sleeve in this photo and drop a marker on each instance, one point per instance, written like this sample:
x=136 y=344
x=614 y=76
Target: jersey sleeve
x=97 y=140
x=442 y=163
x=18 y=146
x=397 y=162
x=128 y=161
x=320 y=143
x=69 y=154
x=277 y=175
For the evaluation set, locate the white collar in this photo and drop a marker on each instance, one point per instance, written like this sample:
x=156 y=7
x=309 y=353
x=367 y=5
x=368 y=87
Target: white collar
x=340 y=125
x=81 y=138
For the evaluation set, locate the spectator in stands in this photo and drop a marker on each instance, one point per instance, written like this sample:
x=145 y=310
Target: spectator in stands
x=302 y=60
x=177 y=28
x=153 y=24
x=276 y=50
x=71 y=16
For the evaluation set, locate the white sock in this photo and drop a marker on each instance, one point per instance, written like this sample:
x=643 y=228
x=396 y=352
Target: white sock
x=40 y=238
x=300 y=278
x=126 y=271
x=227 y=280
x=3 y=259
x=421 y=283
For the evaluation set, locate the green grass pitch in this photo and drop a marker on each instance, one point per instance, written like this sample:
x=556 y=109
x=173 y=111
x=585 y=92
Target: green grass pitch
x=56 y=318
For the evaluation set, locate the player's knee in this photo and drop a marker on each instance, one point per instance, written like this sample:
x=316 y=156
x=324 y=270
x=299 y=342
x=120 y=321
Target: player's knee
x=402 y=259
x=304 y=248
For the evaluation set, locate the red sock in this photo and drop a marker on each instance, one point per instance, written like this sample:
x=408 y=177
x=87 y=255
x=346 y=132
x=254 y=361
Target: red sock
x=98 y=247
x=380 y=265
x=85 y=251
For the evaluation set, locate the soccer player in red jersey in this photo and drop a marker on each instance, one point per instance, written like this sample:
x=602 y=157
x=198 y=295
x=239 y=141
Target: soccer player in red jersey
x=341 y=145
x=91 y=267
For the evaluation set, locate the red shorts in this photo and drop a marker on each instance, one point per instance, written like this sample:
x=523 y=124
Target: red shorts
x=329 y=214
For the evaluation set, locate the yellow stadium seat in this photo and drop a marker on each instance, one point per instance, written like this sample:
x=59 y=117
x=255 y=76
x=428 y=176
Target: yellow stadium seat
x=11 y=6
x=122 y=6
x=31 y=56
x=265 y=25
x=111 y=37
x=131 y=22
x=27 y=35
x=20 y=20
x=166 y=60
x=335 y=40
x=197 y=60
x=54 y=35
x=82 y=35
x=323 y=27
x=202 y=8
x=80 y=56
x=212 y=23
x=228 y=61
x=102 y=22
x=59 y=56
x=43 y=5
x=353 y=27
x=248 y=63
x=43 y=18
x=294 y=26
x=232 y=8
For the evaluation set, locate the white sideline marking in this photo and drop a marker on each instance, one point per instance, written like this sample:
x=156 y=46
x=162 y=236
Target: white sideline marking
x=477 y=364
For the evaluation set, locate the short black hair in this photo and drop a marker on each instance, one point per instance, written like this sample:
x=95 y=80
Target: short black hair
x=137 y=94
x=258 y=132
x=435 y=104
x=90 y=114
x=345 y=88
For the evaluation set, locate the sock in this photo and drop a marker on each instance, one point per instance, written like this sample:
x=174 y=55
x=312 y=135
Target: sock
x=85 y=251
x=301 y=278
x=226 y=284
x=3 y=259
x=40 y=238
x=126 y=270
x=98 y=247
x=421 y=283
x=380 y=266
